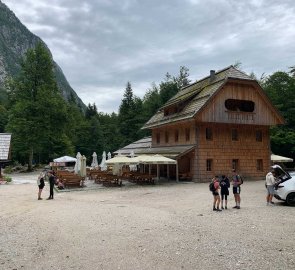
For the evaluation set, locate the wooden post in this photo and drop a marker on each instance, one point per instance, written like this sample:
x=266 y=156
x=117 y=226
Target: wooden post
x=168 y=174
x=158 y=173
x=177 y=176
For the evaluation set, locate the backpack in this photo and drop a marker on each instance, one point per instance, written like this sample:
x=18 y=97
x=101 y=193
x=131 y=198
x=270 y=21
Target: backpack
x=211 y=187
x=241 y=179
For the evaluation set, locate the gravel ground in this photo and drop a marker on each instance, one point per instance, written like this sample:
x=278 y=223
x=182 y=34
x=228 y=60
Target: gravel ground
x=169 y=226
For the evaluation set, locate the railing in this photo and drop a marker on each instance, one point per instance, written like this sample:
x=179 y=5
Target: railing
x=240 y=116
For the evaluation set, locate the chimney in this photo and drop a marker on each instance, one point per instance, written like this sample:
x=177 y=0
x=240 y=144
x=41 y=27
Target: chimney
x=212 y=75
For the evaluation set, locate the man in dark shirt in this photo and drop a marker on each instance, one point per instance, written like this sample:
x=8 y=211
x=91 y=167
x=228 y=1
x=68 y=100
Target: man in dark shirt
x=51 y=183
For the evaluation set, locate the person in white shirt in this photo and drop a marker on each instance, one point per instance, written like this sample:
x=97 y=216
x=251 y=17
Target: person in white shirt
x=270 y=184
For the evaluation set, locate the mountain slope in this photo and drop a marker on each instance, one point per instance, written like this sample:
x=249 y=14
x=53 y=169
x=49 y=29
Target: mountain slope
x=15 y=40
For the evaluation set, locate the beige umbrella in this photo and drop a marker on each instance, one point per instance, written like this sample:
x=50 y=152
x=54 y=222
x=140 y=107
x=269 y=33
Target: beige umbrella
x=83 y=166
x=277 y=158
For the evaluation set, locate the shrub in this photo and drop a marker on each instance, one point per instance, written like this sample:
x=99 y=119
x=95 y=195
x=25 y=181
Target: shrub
x=7 y=178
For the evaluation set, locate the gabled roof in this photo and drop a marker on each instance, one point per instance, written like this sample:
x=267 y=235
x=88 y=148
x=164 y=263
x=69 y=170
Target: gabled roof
x=195 y=96
x=5 y=139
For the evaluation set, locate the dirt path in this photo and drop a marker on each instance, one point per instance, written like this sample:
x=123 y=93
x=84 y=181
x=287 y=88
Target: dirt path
x=152 y=227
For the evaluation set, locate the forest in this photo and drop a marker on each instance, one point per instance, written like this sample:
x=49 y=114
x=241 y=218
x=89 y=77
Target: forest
x=45 y=126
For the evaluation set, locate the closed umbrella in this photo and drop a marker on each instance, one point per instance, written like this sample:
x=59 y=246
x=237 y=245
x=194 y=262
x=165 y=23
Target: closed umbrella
x=94 y=163
x=78 y=163
x=83 y=166
x=132 y=167
x=103 y=166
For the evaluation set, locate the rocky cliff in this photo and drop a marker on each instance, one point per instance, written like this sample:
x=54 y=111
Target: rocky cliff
x=15 y=40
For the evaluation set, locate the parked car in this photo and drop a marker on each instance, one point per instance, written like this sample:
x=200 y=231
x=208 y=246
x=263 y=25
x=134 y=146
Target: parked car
x=285 y=187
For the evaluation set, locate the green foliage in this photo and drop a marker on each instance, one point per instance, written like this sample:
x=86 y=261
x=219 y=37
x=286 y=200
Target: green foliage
x=280 y=87
x=7 y=178
x=38 y=112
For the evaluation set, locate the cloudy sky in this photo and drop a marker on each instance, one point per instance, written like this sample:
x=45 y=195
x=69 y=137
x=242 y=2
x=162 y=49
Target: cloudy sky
x=102 y=44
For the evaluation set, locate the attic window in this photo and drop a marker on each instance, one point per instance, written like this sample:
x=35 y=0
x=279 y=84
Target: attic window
x=239 y=105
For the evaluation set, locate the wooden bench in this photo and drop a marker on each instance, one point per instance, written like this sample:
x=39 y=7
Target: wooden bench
x=69 y=179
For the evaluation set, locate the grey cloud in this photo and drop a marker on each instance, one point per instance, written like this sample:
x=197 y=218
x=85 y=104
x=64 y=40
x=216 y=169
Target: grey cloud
x=103 y=44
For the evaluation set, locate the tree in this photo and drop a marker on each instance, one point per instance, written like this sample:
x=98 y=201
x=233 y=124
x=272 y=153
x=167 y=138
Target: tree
x=280 y=88
x=37 y=118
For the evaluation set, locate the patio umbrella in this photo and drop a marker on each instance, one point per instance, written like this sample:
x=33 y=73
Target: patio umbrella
x=103 y=166
x=83 y=166
x=65 y=159
x=121 y=160
x=78 y=163
x=132 y=168
x=277 y=158
x=94 y=163
x=109 y=155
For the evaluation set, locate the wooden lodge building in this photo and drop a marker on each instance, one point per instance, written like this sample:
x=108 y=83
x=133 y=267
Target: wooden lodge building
x=212 y=126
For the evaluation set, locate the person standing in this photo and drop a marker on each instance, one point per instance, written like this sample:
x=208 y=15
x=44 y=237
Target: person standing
x=41 y=184
x=224 y=184
x=51 y=183
x=270 y=182
x=215 y=193
x=236 y=182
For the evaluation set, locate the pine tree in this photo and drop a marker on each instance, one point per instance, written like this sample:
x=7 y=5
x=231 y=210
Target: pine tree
x=37 y=117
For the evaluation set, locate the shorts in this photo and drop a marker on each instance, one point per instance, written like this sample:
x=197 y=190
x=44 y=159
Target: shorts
x=41 y=186
x=270 y=190
x=215 y=193
x=224 y=196
x=237 y=190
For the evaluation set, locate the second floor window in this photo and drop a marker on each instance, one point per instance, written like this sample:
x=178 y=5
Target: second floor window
x=187 y=134
x=176 y=135
x=209 y=134
x=258 y=136
x=234 y=134
x=166 y=136
x=158 y=138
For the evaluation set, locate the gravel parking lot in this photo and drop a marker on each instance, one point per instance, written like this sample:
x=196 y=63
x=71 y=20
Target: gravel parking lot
x=169 y=226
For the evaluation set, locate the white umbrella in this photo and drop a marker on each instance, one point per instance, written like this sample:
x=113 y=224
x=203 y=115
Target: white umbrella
x=65 y=159
x=109 y=155
x=83 y=166
x=94 y=163
x=103 y=166
x=132 y=168
x=277 y=158
x=78 y=163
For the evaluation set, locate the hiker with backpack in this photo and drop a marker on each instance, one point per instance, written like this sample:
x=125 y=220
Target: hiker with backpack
x=224 y=184
x=214 y=188
x=236 y=182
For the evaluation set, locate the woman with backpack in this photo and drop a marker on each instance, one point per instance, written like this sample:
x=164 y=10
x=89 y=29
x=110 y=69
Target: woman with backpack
x=214 y=188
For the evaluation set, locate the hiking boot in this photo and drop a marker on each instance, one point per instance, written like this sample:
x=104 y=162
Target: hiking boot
x=214 y=209
x=235 y=206
x=225 y=207
x=218 y=210
x=40 y=199
x=238 y=207
x=222 y=207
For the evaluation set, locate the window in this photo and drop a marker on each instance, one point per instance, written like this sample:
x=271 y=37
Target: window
x=234 y=134
x=235 y=164
x=176 y=135
x=158 y=137
x=258 y=136
x=209 y=134
x=239 y=105
x=259 y=165
x=187 y=134
x=166 y=136
x=209 y=163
